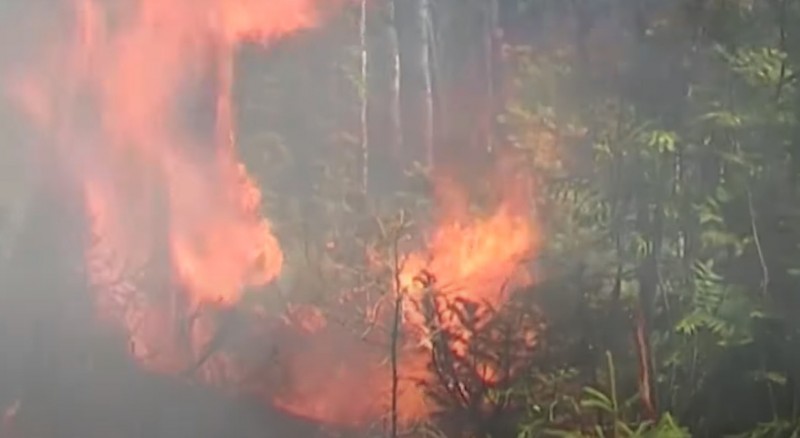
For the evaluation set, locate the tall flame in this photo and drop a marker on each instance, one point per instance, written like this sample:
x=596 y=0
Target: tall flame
x=137 y=103
x=118 y=99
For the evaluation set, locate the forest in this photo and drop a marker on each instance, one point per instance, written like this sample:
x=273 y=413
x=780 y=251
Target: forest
x=399 y=218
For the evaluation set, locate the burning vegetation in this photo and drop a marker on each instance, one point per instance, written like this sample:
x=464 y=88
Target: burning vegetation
x=327 y=218
x=136 y=100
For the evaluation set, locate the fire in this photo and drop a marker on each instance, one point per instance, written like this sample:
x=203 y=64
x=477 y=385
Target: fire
x=472 y=257
x=471 y=260
x=139 y=109
x=118 y=94
x=112 y=97
x=472 y=264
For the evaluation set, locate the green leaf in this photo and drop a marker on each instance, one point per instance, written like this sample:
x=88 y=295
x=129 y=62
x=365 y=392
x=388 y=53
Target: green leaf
x=595 y=394
x=772 y=377
x=723 y=119
x=597 y=404
x=663 y=141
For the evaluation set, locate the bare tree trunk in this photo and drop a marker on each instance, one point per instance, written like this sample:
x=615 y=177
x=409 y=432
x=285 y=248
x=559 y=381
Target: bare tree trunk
x=394 y=105
x=493 y=45
x=395 y=338
x=396 y=129
x=364 y=96
x=416 y=90
x=382 y=99
x=396 y=329
x=465 y=48
x=425 y=61
x=647 y=277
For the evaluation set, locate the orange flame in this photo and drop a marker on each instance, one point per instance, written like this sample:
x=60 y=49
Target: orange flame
x=474 y=259
x=117 y=93
x=178 y=222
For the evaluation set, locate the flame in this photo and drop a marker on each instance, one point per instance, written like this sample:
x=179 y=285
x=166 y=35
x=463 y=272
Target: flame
x=112 y=99
x=470 y=259
x=137 y=104
x=177 y=222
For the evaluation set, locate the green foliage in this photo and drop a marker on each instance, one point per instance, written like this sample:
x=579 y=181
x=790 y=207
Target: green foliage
x=664 y=139
x=678 y=151
x=775 y=428
x=594 y=402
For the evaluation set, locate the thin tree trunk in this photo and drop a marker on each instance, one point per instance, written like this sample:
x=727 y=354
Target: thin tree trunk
x=416 y=92
x=395 y=337
x=383 y=145
x=428 y=83
x=396 y=129
x=364 y=96
x=648 y=288
x=395 y=334
x=491 y=47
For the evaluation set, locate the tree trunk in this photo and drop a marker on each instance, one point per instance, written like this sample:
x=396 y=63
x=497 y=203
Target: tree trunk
x=364 y=96
x=383 y=100
x=416 y=90
x=492 y=48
